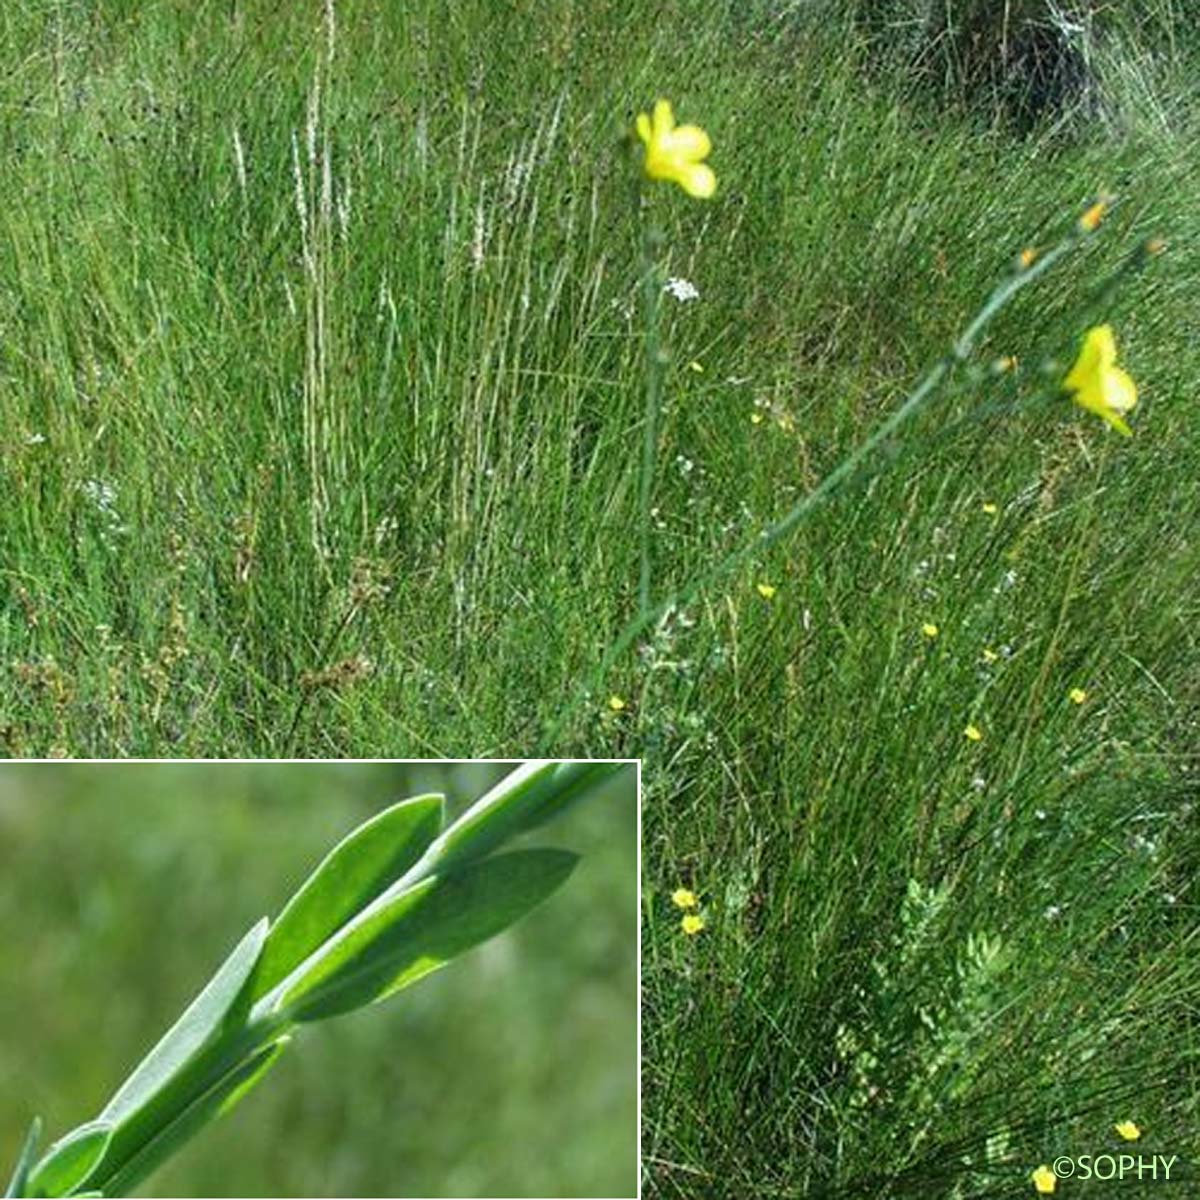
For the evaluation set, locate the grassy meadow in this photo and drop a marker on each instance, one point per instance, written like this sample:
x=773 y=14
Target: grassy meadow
x=512 y=1072
x=322 y=403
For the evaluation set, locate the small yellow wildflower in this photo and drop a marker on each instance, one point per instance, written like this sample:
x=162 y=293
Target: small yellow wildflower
x=1028 y=257
x=766 y=590
x=682 y=898
x=691 y=924
x=989 y=655
x=1128 y=1130
x=929 y=629
x=674 y=152
x=617 y=703
x=756 y=418
x=1090 y=221
x=1044 y=1180
x=1097 y=383
x=1077 y=695
x=973 y=733
x=696 y=366
x=1006 y=362
x=990 y=508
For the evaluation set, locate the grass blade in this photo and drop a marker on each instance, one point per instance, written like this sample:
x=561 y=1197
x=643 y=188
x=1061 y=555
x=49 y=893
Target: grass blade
x=66 y=1166
x=357 y=870
x=422 y=929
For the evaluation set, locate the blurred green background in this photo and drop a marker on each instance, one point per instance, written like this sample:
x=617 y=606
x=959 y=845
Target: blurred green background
x=513 y=1072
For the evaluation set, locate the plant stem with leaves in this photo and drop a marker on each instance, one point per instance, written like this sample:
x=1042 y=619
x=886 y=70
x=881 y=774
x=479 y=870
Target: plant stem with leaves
x=399 y=897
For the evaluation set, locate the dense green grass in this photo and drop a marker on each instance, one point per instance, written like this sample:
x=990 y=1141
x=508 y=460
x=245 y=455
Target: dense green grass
x=363 y=480
x=512 y=1072
x=430 y=383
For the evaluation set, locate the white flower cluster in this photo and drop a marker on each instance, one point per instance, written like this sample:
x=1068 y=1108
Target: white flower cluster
x=682 y=289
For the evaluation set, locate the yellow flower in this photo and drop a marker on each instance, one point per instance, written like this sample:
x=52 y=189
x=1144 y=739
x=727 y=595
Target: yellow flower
x=682 y=898
x=756 y=418
x=691 y=924
x=674 y=152
x=1091 y=219
x=973 y=733
x=1044 y=1180
x=1097 y=383
x=929 y=629
x=696 y=366
x=1028 y=257
x=1077 y=695
x=1128 y=1130
x=990 y=508
x=766 y=590
x=617 y=704
x=989 y=655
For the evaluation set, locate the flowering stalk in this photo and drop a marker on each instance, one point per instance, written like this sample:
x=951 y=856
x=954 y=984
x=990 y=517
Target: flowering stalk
x=958 y=354
x=398 y=898
x=656 y=361
x=674 y=154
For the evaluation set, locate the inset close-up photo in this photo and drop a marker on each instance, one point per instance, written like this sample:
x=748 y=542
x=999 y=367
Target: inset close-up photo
x=208 y=980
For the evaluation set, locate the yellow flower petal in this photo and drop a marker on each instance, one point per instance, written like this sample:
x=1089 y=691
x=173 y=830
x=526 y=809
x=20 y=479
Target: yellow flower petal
x=929 y=629
x=1044 y=1180
x=691 y=924
x=1128 y=1130
x=766 y=590
x=1120 y=392
x=691 y=141
x=1097 y=350
x=1097 y=383
x=664 y=118
x=682 y=898
x=973 y=733
x=1077 y=695
x=990 y=509
x=617 y=704
x=698 y=180
x=673 y=153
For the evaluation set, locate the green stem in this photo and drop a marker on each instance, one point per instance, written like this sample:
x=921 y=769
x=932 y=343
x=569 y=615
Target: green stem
x=655 y=364
x=130 y=1156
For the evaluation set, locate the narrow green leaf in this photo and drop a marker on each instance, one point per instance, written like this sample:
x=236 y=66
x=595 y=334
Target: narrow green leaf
x=202 y=1021
x=528 y=797
x=66 y=1166
x=422 y=929
x=16 y=1185
x=359 y=868
x=218 y=1099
